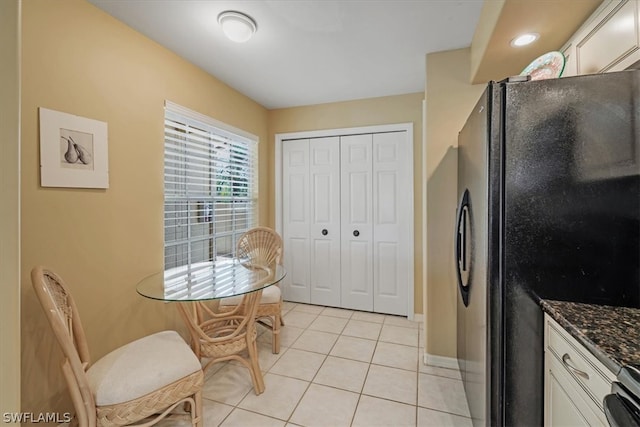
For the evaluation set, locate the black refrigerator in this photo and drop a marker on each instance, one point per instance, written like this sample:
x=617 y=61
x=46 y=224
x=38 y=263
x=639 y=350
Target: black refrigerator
x=549 y=191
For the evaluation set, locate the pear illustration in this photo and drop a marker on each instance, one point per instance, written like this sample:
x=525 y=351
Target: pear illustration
x=71 y=156
x=83 y=154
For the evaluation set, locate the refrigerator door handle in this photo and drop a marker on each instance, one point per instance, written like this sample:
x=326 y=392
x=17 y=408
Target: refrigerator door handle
x=458 y=251
x=462 y=240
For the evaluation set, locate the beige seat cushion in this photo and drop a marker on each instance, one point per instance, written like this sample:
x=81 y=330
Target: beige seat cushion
x=270 y=295
x=141 y=367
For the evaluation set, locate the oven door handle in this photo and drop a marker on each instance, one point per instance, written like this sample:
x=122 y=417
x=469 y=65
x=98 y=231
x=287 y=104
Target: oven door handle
x=618 y=413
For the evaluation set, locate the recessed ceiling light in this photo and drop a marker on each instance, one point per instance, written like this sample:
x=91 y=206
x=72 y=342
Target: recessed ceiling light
x=237 y=26
x=524 y=39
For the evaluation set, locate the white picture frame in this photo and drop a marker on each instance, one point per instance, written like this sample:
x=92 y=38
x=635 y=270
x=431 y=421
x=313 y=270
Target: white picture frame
x=73 y=151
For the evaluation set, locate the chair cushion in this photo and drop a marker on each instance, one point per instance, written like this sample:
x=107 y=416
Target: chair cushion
x=270 y=295
x=141 y=367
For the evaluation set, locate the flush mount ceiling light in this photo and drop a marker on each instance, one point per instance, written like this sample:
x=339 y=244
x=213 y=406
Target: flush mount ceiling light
x=524 y=39
x=237 y=26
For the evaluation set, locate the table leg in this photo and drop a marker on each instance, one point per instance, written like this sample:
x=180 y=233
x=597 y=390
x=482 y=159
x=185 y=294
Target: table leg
x=223 y=336
x=251 y=303
x=188 y=312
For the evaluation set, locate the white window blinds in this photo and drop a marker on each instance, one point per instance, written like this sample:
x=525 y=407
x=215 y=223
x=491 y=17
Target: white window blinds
x=210 y=188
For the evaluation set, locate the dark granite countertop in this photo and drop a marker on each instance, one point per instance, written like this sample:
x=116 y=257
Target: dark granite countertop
x=611 y=334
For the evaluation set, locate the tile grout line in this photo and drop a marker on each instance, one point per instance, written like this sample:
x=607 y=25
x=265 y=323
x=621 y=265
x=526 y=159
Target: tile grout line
x=326 y=353
x=370 y=362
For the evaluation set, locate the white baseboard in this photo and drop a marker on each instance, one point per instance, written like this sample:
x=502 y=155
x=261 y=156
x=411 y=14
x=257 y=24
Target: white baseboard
x=417 y=317
x=440 y=361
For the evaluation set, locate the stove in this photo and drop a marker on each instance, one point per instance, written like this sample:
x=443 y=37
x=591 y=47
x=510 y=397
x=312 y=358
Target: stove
x=622 y=406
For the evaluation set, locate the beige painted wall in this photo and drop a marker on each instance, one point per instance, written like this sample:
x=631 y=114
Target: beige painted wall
x=450 y=98
x=365 y=112
x=10 y=206
x=487 y=22
x=79 y=60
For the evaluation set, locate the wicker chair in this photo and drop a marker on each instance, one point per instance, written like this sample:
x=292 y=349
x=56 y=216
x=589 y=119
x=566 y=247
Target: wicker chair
x=262 y=246
x=143 y=381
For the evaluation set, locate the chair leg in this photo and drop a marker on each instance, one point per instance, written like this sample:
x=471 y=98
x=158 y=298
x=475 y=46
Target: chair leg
x=276 y=322
x=254 y=369
x=197 y=412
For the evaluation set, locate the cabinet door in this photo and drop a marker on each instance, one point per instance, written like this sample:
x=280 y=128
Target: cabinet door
x=608 y=41
x=564 y=357
x=324 y=177
x=614 y=43
x=356 y=221
x=296 y=219
x=565 y=402
x=562 y=411
x=391 y=202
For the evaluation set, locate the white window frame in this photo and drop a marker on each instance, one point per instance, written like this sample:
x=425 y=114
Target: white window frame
x=200 y=207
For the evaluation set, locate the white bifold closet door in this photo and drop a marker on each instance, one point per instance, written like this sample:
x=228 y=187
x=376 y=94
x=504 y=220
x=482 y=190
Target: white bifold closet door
x=311 y=218
x=346 y=217
x=375 y=222
x=296 y=219
x=357 y=221
x=324 y=177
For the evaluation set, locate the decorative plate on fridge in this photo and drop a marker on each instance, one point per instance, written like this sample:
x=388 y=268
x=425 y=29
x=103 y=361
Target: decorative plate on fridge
x=547 y=66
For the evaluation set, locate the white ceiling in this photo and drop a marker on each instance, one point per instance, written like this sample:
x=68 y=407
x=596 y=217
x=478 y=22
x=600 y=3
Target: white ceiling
x=308 y=51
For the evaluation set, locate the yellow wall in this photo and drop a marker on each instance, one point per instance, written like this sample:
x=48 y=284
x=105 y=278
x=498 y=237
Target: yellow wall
x=10 y=206
x=450 y=98
x=79 y=60
x=365 y=112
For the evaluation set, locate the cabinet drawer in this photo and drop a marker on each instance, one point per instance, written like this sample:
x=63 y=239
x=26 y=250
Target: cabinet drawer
x=590 y=374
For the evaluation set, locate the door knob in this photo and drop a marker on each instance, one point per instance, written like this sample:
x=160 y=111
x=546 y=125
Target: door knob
x=356 y=233
x=324 y=232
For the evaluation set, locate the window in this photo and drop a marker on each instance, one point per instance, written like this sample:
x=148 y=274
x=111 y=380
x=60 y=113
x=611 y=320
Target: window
x=210 y=189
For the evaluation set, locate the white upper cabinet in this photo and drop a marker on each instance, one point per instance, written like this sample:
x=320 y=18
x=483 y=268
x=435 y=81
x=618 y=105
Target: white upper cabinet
x=608 y=41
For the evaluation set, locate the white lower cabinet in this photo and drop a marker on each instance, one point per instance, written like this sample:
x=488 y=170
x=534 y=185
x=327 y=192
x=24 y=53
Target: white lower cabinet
x=575 y=382
x=347 y=214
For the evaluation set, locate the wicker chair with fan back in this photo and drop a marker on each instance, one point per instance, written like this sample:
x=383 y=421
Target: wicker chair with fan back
x=262 y=246
x=141 y=382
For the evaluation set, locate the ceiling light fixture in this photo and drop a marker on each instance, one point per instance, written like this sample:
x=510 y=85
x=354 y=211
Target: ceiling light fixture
x=237 y=26
x=524 y=39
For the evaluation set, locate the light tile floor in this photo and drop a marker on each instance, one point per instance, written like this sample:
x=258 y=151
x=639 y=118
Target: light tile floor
x=337 y=368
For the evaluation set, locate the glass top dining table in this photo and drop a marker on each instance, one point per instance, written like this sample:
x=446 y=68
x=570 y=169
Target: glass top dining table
x=217 y=335
x=211 y=280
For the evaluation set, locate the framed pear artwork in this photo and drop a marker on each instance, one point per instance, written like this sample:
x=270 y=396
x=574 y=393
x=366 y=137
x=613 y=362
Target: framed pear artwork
x=73 y=151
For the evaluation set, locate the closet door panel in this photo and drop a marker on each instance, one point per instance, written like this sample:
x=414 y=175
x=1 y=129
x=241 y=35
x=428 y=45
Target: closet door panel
x=324 y=172
x=296 y=220
x=386 y=269
x=359 y=258
x=297 y=265
x=356 y=222
x=391 y=232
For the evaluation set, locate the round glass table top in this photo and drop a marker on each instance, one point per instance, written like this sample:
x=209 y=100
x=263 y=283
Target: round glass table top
x=208 y=280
